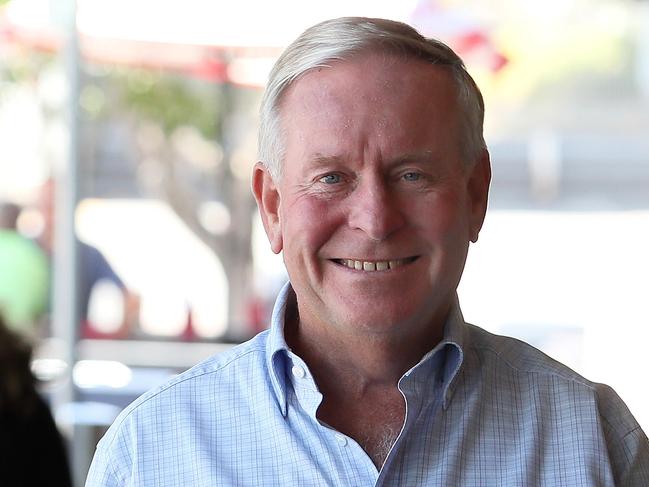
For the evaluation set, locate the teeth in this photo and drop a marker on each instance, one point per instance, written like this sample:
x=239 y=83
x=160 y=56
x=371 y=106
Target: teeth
x=363 y=265
x=381 y=266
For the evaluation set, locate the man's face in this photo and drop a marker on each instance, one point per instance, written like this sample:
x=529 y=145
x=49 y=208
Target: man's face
x=375 y=208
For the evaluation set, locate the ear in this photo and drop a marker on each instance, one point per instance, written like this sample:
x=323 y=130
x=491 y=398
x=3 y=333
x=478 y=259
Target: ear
x=268 y=201
x=478 y=191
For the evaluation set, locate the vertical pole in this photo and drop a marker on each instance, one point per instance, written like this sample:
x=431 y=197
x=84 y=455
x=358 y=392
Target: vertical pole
x=64 y=261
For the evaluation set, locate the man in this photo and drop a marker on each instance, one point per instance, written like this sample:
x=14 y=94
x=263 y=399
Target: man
x=94 y=269
x=372 y=182
x=24 y=275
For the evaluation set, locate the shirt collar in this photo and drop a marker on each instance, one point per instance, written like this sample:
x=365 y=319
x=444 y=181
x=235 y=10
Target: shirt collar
x=439 y=368
x=453 y=346
x=277 y=349
x=455 y=341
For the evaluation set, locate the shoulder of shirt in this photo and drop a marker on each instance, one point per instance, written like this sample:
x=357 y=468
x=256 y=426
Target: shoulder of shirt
x=520 y=355
x=526 y=359
x=253 y=349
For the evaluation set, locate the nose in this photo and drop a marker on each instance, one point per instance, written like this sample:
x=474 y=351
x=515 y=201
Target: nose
x=375 y=210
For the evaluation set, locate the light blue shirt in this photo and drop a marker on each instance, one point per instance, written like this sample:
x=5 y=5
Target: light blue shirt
x=481 y=410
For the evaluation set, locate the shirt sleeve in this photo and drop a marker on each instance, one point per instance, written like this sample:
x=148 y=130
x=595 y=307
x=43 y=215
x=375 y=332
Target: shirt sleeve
x=101 y=474
x=627 y=443
x=635 y=449
x=113 y=458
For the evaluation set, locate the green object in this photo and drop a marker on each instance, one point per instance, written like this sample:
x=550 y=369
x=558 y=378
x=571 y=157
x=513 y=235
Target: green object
x=24 y=281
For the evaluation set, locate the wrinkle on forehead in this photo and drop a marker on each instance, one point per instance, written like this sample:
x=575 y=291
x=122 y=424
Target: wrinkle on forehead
x=390 y=64
x=380 y=76
x=337 y=107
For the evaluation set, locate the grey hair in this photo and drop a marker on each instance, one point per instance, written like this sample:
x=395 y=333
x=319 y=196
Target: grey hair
x=339 y=40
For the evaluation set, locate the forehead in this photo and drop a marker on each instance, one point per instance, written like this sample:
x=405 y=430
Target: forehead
x=370 y=99
x=373 y=75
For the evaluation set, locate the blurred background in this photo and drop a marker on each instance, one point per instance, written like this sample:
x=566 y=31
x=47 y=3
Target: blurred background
x=130 y=247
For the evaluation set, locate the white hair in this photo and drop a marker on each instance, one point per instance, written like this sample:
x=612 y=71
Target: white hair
x=339 y=40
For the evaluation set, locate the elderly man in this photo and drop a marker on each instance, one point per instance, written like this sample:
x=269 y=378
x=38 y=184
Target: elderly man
x=373 y=179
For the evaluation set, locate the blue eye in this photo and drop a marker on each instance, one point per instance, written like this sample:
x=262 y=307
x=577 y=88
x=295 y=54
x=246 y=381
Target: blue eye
x=331 y=179
x=412 y=176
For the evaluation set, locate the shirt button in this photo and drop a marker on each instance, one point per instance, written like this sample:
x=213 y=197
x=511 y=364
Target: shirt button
x=298 y=371
x=342 y=440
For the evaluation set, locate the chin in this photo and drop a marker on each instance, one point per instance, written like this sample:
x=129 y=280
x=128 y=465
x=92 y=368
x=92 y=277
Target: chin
x=383 y=320
x=412 y=309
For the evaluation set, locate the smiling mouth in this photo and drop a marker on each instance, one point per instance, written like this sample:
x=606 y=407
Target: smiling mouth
x=374 y=265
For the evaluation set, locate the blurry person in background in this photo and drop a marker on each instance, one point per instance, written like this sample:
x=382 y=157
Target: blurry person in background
x=9 y=213
x=24 y=275
x=32 y=452
x=97 y=280
x=372 y=181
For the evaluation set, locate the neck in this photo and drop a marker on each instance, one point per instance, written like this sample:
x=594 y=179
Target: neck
x=358 y=362
x=357 y=375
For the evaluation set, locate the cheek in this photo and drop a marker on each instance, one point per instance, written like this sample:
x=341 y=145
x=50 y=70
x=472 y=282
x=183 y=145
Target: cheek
x=307 y=224
x=444 y=216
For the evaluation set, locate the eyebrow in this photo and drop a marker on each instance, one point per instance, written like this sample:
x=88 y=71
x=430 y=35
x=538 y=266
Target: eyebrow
x=319 y=160
x=424 y=156
x=323 y=160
